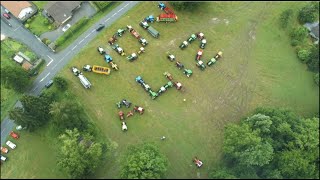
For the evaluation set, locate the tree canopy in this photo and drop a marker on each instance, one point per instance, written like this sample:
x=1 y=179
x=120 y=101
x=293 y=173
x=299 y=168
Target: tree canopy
x=14 y=77
x=143 y=161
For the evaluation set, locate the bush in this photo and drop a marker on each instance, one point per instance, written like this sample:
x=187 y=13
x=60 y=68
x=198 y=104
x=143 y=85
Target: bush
x=307 y=14
x=316 y=78
x=313 y=62
x=299 y=33
x=285 y=17
x=27 y=26
x=294 y=42
x=44 y=40
x=29 y=20
x=303 y=55
x=49 y=27
x=45 y=21
x=48 y=42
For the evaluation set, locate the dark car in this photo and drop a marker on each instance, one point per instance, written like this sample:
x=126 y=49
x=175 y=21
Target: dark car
x=101 y=26
x=49 y=84
x=6 y=15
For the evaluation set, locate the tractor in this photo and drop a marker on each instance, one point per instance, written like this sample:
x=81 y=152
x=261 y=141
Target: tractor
x=200 y=35
x=143 y=41
x=139 y=80
x=118 y=49
x=161 y=90
x=144 y=24
x=153 y=95
x=162 y=6
x=146 y=86
x=197 y=162
x=112 y=40
x=178 y=85
x=124 y=126
x=218 y=55
x=138 y=109
x=101 y=50
x=141 y=50
x=183 y=45
x=119 y=105
x=199 y=55
x=171 y=57
x=201 y=65
x=169 y=84
x=187 y=72
x=192 y=38
x=121 y=115
x=114 y=66
x=168 y=75
x=179 y=65
x=149 y=19
x=120 y=32
x=14 y=135
x=87 y=68
x=126 y=103
x=203 y=43
x=75 y=71
x=108 y=58
x=132 y=57
x=211 y=61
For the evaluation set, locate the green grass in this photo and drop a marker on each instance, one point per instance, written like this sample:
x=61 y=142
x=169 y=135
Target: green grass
x=258 y=68
x=92 y=21
x=40 y=4
x=37 y=26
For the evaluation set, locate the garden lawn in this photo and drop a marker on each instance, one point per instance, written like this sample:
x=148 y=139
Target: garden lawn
x=40 y=4
x=258 y=68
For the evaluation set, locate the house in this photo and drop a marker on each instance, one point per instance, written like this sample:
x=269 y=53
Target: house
x=22 y=10
x=61 y=11
x=23 y=60
x=314 y=30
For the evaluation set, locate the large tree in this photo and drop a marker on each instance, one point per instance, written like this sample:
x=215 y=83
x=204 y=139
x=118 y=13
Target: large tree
x=68 y=115
x=33 y=113
x=185 y=5
x=144 y=161
x=61 y=83
x=307 y=14
x=15 y=77
x=79 y=155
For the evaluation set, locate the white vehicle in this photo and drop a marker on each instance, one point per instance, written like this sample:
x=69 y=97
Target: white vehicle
x=84 y=81
x=66 y=27
x=3 y=158
x=124 y=126
x=11 y=144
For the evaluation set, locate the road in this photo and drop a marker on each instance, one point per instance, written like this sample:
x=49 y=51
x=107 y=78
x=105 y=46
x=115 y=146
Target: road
x=54 y=61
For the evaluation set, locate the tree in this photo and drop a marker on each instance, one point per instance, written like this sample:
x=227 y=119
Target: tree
x=313 y=62
x=285 y=17
x=221 y=173
x=316 y=78
x=185 y=5
x=68 y=115
x=34 y=112
x=61 y=83
x=245 y=146
x=15 y=77
x=304 y=55
x=299 y=33
x=79 y=156
x=144 y=162
x=307 y=14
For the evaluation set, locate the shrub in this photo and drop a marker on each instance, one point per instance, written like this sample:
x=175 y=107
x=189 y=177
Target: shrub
x=45 y=21
x=48 y=41
x=27 y=26
x=285 y=17
x=294 y=42
x=44 y=40
x=307 y=14
x=316 y=78
x=299 y=33
x=303 y=55
x=49 y=27
x=29 y=20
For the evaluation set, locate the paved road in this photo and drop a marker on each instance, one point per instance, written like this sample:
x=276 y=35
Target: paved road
x=55 y=61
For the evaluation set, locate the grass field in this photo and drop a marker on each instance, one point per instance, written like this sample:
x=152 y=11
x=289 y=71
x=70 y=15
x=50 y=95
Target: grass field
x=258 y=68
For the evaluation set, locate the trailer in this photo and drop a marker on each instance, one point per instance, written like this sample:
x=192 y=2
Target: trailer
x=153 y=32
x=167 y=18
x=101 y=70
x=84 y=81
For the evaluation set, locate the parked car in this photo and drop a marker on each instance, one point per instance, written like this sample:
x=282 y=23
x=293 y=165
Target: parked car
x=11 y=144
x=3 y=158
x=6 y=15
x=14 y=135
x=4 y=150
x=66 y=27
x=101 y=26
x=49 y=83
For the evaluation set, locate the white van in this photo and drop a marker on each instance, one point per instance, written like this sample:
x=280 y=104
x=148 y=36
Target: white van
x=11 y=144
x=3 y=158
x=84 y=81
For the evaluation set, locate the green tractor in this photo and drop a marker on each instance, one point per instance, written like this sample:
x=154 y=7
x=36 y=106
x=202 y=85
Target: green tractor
x=120 y=32
x=143 y=41
x=132 y=57
x=153 y=95
x=187 y=72
x=169 y=84
x=192 y=38
x=211 y=61
x=183 y=45
x=144 y=24
x=119 y=50
x=201 y=65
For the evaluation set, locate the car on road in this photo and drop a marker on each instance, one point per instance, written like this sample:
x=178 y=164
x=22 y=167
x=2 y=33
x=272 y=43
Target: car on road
x=49 y=83
x=3 y=158
x=4 y=150
x=66 y=27
x=11 y=144
x=6 y=15
x=101 y=26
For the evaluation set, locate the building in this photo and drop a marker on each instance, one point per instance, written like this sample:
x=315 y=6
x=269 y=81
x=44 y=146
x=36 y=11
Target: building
x=22 y=10
x=314 y=30
x=61 y=11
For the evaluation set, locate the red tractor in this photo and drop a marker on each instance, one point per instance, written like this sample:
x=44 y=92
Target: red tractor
x=113 y=39
x=199 y=55
x=121 y=115
x=14 y=135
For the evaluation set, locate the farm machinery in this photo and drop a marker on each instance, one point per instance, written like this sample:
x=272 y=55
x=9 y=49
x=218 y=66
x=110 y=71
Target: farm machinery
x=149 y=19
x=168 y=16
x=187 y=72
x=141 y=50
x=121 y=115
x=108 y=59
x=146 y=87
x=200 y=35
x=199 y=54
x=97 y=69
x=120 y=32
x=150 y=29
x=84 y=81
x=118 y=49
x=132 y=57
x=192 y=38
x=101 y=50
x=112 y=39
x=215 y=58
x=178 y=85
x=183 y=45
x=200 y=63
x=165 y=87
x=170 y=56
x=179 y=65
x=203 y=43
x=143 y=41
x=133 y=32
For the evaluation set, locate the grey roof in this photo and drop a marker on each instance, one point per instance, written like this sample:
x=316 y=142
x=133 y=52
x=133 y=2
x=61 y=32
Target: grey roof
x=315 y=31
x=61 y=10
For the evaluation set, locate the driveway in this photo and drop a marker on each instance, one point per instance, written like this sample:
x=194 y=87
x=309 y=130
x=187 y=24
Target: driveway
x=85 y=10
x=57 y=60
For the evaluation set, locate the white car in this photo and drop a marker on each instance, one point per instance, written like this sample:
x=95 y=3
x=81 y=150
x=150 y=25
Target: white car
x=11 y=145
x=66 y=27
x=3 y=158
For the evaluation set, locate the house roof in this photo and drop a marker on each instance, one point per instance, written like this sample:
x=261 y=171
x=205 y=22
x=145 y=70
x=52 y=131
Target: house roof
x=18 y=58
x=315 y=31
x=15 y=7
x=61 y=10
